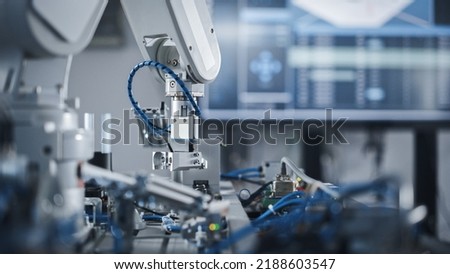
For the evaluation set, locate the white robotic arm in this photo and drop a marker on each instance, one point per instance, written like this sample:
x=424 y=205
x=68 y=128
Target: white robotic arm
x=49 y=27
x=38 y=38
x=158 y=25
x=180 y=35
x=37 y=41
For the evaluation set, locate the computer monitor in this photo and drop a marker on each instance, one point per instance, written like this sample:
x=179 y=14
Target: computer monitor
x=367 y=60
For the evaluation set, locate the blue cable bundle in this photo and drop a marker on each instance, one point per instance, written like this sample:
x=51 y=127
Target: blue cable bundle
x=135 y=104
x=297 y=202
x=155 y=218
x=167 y=222
x=245 y=173
x=169 y=225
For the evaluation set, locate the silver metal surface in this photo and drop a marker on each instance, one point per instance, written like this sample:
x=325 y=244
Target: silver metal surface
x=177 y=161
x=211 y=153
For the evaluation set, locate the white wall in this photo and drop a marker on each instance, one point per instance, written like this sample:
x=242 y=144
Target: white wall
x=99 y=77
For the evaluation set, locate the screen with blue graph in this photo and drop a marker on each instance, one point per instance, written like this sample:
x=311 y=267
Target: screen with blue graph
x=365 y=59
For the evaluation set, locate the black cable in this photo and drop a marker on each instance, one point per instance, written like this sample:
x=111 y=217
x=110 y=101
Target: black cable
x=149 y=210
x=146 y=209
x=255 y=194
x=169 y=146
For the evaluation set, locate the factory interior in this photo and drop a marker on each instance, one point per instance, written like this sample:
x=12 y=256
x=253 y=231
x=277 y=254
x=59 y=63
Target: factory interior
x=224 y=126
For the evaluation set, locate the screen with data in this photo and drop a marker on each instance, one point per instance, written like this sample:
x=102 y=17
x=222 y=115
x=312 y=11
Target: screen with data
x=365 y=59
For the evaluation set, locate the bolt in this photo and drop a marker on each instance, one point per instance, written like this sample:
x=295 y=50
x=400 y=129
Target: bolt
x=172 y=84
x=196 y=162
x=196 y=154
x=174 y=62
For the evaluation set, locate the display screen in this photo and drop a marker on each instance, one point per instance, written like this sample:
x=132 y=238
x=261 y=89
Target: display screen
x=367 y=59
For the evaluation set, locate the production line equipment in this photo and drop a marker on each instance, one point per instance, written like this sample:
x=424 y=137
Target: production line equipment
x=57 y=195
x=54 y=196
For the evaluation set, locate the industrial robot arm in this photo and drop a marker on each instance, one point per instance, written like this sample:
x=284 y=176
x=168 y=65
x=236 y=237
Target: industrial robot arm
x=37 y=41
x=178 y=35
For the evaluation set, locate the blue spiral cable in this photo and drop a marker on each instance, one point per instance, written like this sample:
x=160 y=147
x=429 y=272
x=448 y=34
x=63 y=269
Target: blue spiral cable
x=167 y=70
